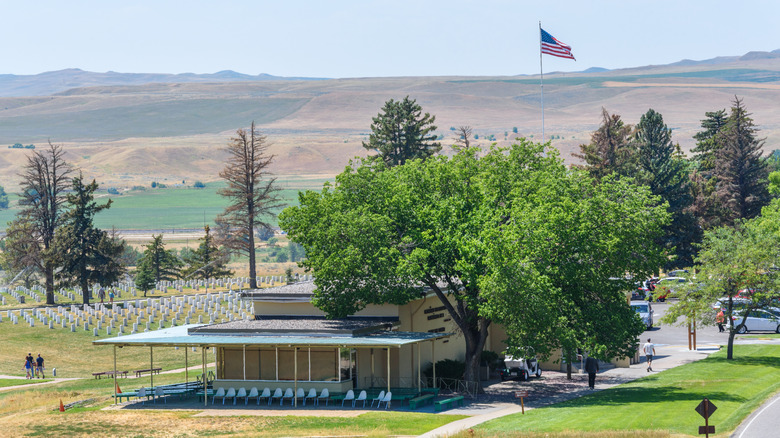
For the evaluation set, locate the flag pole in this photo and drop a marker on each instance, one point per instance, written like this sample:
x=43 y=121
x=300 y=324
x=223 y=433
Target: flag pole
x=541 y=76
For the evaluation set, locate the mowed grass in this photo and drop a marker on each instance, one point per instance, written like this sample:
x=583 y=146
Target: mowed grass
x=662 y=402
x=4 y=383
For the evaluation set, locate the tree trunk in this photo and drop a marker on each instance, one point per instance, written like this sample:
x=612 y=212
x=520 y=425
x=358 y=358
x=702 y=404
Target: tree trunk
x=49 y=283
x=475 y=342
x=252 y=257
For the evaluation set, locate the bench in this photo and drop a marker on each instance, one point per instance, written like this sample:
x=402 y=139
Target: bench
x=422 y=400
x=448 y=403
x=148 y=370
x=118 y=373
x=126 y=395
x=98 y=375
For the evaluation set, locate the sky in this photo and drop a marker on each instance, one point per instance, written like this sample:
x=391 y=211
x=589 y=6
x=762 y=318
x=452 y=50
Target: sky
x=374 y=38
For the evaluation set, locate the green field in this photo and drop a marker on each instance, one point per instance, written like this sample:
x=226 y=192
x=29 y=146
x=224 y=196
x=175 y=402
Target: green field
x=170 y=209
x=662 y=402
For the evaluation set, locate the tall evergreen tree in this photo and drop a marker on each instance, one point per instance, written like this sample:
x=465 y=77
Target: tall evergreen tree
x=610 y=149
x=208 y=261
x=157 y=263
x=741 y=172
x=252 y=194
x=706 y=140
x=401 y=133
x=86 y=255
x=666 y=173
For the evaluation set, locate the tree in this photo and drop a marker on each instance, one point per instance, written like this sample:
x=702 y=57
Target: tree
x=158 y=263
x=208 y=261
x=85 y=254
x=667 y=176
x=462 y=138
x=144 y=278
x=44 y=181
x=401 y=133
x=3 y=198
x=21 y=252
x=742 y=257
x=384 y=235
x=706 y=141
x=610 y=149
x=251 y=192
x=741 y=172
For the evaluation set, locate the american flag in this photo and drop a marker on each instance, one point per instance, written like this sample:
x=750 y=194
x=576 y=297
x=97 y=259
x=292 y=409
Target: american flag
x=553 y=47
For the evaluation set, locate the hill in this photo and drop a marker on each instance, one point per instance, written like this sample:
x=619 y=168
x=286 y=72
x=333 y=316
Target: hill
x=141 y=128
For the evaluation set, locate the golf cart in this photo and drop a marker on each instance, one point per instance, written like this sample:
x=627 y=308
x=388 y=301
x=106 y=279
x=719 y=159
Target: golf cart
x=520 y=368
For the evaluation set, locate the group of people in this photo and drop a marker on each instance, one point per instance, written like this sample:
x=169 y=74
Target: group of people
x=102 y=295
x=592 y=365
x=34 y=366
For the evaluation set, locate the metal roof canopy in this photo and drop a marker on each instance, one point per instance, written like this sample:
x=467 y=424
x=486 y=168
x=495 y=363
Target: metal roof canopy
x=178 y=336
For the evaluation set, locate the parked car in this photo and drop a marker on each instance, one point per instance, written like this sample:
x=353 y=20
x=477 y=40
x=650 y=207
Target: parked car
x=757 y=320
x=645 y=311
x=677 y=273
x=666 y=286
x=520 y=368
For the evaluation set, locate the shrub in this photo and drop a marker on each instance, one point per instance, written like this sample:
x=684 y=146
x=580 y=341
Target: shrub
x=113 y=191
x=446 y=369
x=199 y=185
x=491 y=359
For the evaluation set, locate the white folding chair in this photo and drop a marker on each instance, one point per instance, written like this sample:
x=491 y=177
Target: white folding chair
x=363 y=396
x=300 y=394
x=311 y=395
x=159 y=392
x=350 y=396
x=253 y=393
x=277 y=394
x=231 y=393
x=241 y=393
x=288 y=393
x=378 y=398
x=220 y=393
x=265 y=395
x=324 y=395
x=142 y=393
x=386 y=400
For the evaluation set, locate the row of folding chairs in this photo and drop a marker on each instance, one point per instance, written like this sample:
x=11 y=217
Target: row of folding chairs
x=254 y=393
x=363 y=396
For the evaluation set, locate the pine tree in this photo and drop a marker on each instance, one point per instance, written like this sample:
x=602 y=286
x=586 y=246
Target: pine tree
x=610 y=149
x=741 y=172
x=208 y=261
x=158 y=262
x=666 y=173
x=401 y=133
x=706 y=140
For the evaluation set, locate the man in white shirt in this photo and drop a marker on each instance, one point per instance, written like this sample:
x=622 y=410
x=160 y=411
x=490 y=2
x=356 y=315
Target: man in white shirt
x=649 y=349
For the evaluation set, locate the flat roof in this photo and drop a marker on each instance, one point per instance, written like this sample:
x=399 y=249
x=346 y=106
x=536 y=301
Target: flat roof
x=181 y=336
x=299 y=326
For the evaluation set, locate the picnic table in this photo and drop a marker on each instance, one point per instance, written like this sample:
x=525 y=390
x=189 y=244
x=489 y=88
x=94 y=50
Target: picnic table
x=110 y=374
x=148 y=370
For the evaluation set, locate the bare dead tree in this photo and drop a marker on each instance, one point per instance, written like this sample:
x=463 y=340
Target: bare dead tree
x=252 y=194
x=45 y=177
x=462 y=138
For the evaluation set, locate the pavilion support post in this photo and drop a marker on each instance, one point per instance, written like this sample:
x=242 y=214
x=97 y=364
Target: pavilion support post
x=419 y=374
x=244 y=362
x=295 y=377
x=388 y=369
x=372 y=367
x=115 y=397
x=186 y=368
x=433 y=361
x=277 y=363
x=151 y=367
x=205 y=379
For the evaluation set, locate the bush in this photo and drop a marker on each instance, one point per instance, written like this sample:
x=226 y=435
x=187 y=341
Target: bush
x=282 y=257
x=199 y=185
x=447 y=369
x=113 y=191
x=491 y=359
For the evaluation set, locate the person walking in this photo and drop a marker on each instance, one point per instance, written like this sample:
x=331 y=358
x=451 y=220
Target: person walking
x=102 y=295
x=649 y=350
x=111 y=296
x=28 y=365
x=591 y=367
x=720 y=319
x=39 y=366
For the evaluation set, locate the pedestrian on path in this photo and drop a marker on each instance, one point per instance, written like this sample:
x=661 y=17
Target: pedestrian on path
x=649 y=349
x=39 y=367
x=592 y=367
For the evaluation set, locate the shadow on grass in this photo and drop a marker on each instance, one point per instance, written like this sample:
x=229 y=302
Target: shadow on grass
x=623 y=396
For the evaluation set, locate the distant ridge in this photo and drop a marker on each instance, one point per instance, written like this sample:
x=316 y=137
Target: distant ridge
x=44 y=84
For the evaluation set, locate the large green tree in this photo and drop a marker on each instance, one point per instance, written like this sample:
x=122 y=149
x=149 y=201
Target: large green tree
x=208 y=260
x=381 y=235
x=707 y=144
x=741 y=172
x=45 y=177
x=157 y=264
x=401 y=133
x=666 y=173
x=610 y=149
x=251 y=192
x=86 y=255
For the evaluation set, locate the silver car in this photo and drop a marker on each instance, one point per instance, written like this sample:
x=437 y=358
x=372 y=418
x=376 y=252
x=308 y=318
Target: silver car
x=645 y=311
x=758 y=320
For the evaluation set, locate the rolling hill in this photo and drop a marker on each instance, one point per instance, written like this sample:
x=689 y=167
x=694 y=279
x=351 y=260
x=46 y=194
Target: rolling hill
x=130 y=129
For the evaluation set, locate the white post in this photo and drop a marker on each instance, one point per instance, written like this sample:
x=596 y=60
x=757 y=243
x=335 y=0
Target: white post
x=419 y=374
x=388 y=369
x=115 y=397
x=433 y=361
x=205 y=380
x=295 y=377
x=541 y=77
x=244 y=362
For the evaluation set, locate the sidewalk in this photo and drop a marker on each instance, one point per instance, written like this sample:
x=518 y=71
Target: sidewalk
x=668 y=356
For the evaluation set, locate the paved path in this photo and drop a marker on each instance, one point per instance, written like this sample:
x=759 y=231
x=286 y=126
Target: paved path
x=763 y=422
x=32 y=385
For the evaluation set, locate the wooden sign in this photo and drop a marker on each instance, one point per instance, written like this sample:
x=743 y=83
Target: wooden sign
x=706 y=430
x=520 y=394
x=706 y=408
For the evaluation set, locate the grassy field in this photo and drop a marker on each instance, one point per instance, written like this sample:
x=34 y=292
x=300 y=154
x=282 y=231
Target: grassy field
x=175 y=208
x=15 y=382
x=661 y=403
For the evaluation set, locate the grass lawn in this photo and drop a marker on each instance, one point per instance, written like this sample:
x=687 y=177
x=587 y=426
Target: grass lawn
x=661 y=403
x=15 y=382
x=764 y=336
